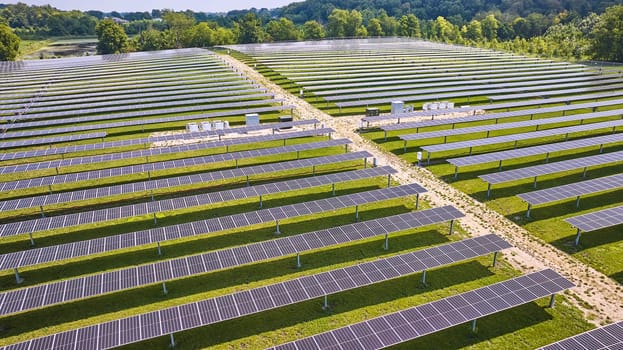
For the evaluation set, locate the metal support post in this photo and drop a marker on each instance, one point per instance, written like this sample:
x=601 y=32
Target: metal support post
x=42 y=212
x=386 y=245
x=313 y=170
x=424 y=278
x=489 y=190
x=534 y=182
x=164 y=288
x=428 y=159
x=385 y=137
x=56 y=170
x=152 y=195
x=277 y=231
x=248 y=181
x=451 y=227
x=495 y=259
x=389 y=180
x=601 y=148
x=374 y=162
x=552 y=299
x=417 y=201
x=346 y=148
x=577 y=237
x=500 y=165
x=584 y=173
x=325 y=304
x=159 y=249
x=50 y=189
x=456 y=172
x=155 y=219
x=298 y=154
x=298 y=260
x=172 y=345
x=470 y=150
x=148 y=175
x=404 y=147
x=473 y=326
x=356 y=213
x=528 y=212
x=333 y=189
x=236 y=161
x=18 y=278
x=32 y=241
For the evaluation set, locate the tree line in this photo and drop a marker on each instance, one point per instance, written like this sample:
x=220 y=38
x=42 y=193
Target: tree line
x=565 y=34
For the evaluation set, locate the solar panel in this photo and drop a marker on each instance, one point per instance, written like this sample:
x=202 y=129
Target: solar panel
x=598 y=219
x=518 y=137
x=504 y=126
x=255 y=252
x=137 y=141
x=575 y=189
x=173 y=164
x=290 y=292
x=399 y=327
x=534 y=150
x=105 y=191
x=49 y=140
x=475 y=85
x=270 y=214
x=602 y=338
x=550 y=168
x=495 y=106
x=146 y=152
x=495 y=116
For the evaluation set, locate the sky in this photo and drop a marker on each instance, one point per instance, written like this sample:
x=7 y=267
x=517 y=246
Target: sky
x=179 y=5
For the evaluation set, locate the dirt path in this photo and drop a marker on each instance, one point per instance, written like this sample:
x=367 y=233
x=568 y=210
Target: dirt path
x=598 y=296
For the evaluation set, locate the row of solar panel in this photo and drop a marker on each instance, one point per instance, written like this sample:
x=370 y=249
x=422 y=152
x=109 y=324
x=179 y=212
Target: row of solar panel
x=209 y=311
x=54 y=139
x=166 y=165
x=147 y=152
x=143 y=122
x=146 y=140
x=132 y=277
x=151 y=185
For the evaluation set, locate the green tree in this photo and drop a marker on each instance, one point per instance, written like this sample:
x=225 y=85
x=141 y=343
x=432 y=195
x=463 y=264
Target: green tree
x=389 y=24
x=313 y=30
x=111 y=37
x=607 y=35
x=251 y=29
x=473 y=31
x=283 y=29
x=9 y=43
x=179 y=24
x=336 y=25
x=150 y=40
x=375 y=28
x=490 y=26
x=201 y=35
x=410 y=26
x=445 y=31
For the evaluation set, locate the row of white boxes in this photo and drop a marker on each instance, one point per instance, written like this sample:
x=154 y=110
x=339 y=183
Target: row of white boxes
x=437 y=105
x=207 y=126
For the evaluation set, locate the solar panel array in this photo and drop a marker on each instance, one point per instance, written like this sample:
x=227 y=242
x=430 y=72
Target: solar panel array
x=52 y=293
x=575 y=189
x=209 y=311
x=609 y=337
x=518 y=137
x=166 y=165
x=49 y=140
x=145 y=153
x=535 y=150
x=265 y=215
x=506 y=126
x=402 y=326
x=138 y=141
x=598 y=219
x=151 y=185
x=550 y=168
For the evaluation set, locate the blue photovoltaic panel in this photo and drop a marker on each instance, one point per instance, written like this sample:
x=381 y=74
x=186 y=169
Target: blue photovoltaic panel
x=138 y=153
x=524 y=136
x=608 y=337
x=270 y=214
x=575 y=189
x=138 y=141
x=221 y=308
x=551 y=168
x=48 y=140
x=421 y=320
x=534 y=150
x=151 y=185
x=598 y=219
x=172 y=164
x=47 y=294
